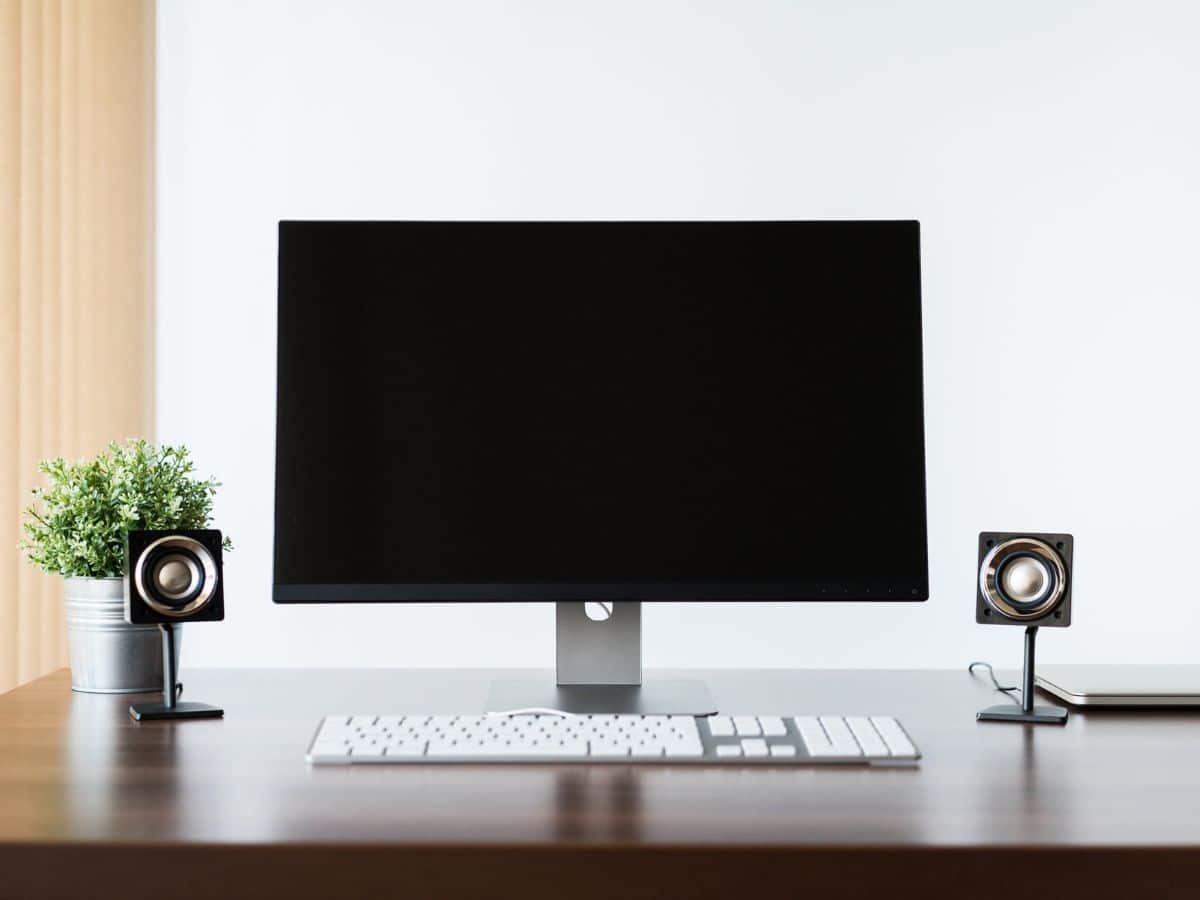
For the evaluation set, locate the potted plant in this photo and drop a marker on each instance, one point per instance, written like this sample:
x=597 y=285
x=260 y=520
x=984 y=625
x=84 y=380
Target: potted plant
x=76 y=528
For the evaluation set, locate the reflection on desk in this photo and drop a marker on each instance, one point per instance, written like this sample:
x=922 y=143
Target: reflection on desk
x=87 y=793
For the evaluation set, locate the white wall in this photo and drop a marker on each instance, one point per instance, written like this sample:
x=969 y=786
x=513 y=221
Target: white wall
x=1049 y=149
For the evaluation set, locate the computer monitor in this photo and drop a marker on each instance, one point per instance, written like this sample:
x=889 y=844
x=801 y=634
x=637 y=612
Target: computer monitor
x=599 y=411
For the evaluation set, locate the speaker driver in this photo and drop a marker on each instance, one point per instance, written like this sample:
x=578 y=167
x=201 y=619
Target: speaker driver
x=176 y=576
x=1022 y=578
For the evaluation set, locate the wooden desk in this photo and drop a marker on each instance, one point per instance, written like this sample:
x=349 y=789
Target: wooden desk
x=95 y=805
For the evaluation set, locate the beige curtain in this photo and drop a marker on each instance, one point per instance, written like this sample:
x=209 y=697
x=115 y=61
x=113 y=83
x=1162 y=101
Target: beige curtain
x=76 y=269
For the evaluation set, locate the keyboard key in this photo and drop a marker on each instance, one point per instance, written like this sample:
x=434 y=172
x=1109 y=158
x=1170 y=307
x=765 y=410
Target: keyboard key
x=407 y=749
x=682 y=736
x=754 y=747
x=728 y=750
x=504 y=751
x=566 y=748
x=772 y=726
x=720 y=726
x=816 y=742
x=897 y=741
x=783 y=750
x=840 y=736
x=746 y=725
x=329 y=749
x=605 y=750
x=868 y=738
x=645 y=751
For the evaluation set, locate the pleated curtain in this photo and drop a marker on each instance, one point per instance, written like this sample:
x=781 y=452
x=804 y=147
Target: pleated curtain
x=76 y=270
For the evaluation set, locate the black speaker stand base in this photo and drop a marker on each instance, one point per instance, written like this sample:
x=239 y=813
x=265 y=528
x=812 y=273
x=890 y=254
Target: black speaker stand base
x=143 y=711
x=1010 y=712
x=1026 y=712
x=171 y=707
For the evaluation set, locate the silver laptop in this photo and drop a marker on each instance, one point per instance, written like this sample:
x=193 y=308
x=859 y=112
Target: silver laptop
x=1122 y=685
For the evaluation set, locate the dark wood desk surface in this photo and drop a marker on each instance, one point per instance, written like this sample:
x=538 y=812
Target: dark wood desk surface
x=93 y=804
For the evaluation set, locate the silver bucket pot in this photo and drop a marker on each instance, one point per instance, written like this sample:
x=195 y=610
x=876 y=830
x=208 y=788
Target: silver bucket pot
x=108 y=655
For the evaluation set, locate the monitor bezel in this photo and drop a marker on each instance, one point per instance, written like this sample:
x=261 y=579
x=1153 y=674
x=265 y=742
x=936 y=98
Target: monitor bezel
x=675 y=591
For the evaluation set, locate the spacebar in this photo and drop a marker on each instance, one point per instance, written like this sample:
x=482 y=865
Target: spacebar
x=468 y=751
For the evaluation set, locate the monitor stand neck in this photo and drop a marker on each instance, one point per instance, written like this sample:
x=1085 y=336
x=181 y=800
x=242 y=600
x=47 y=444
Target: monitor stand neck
x=604 y=650
x=600 y=670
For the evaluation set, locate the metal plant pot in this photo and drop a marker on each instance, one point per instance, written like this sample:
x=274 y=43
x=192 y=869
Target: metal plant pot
x=108 y=655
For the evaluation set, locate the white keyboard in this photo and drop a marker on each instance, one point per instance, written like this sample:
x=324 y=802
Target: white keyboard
x=740 y=740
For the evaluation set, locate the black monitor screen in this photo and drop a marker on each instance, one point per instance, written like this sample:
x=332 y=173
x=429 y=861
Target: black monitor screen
x=599 y=410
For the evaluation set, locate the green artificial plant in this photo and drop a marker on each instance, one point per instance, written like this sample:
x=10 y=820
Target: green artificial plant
x=77 y=524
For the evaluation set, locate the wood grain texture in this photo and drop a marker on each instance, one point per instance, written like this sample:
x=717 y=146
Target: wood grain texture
x=76 y=269
x=229 y=808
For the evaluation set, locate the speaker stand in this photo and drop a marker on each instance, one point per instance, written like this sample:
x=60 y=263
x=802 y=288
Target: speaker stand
x=171 y=708
x=600 y=671
x=1026 y=712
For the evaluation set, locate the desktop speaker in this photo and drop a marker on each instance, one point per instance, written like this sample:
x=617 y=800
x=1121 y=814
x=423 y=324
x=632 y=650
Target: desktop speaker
x=173 y=577
x=1024 y=579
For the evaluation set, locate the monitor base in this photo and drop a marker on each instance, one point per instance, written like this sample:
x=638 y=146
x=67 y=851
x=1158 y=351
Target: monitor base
x=599 y=670
x=684 y=697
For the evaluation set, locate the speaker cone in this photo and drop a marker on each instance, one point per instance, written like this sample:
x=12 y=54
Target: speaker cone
x=1022 y=578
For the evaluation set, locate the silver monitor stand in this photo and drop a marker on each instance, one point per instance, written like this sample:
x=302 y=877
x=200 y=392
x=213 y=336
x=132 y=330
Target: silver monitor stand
x=600 y=670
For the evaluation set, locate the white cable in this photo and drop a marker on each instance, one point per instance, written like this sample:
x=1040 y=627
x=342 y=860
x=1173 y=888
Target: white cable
x=532 y=711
